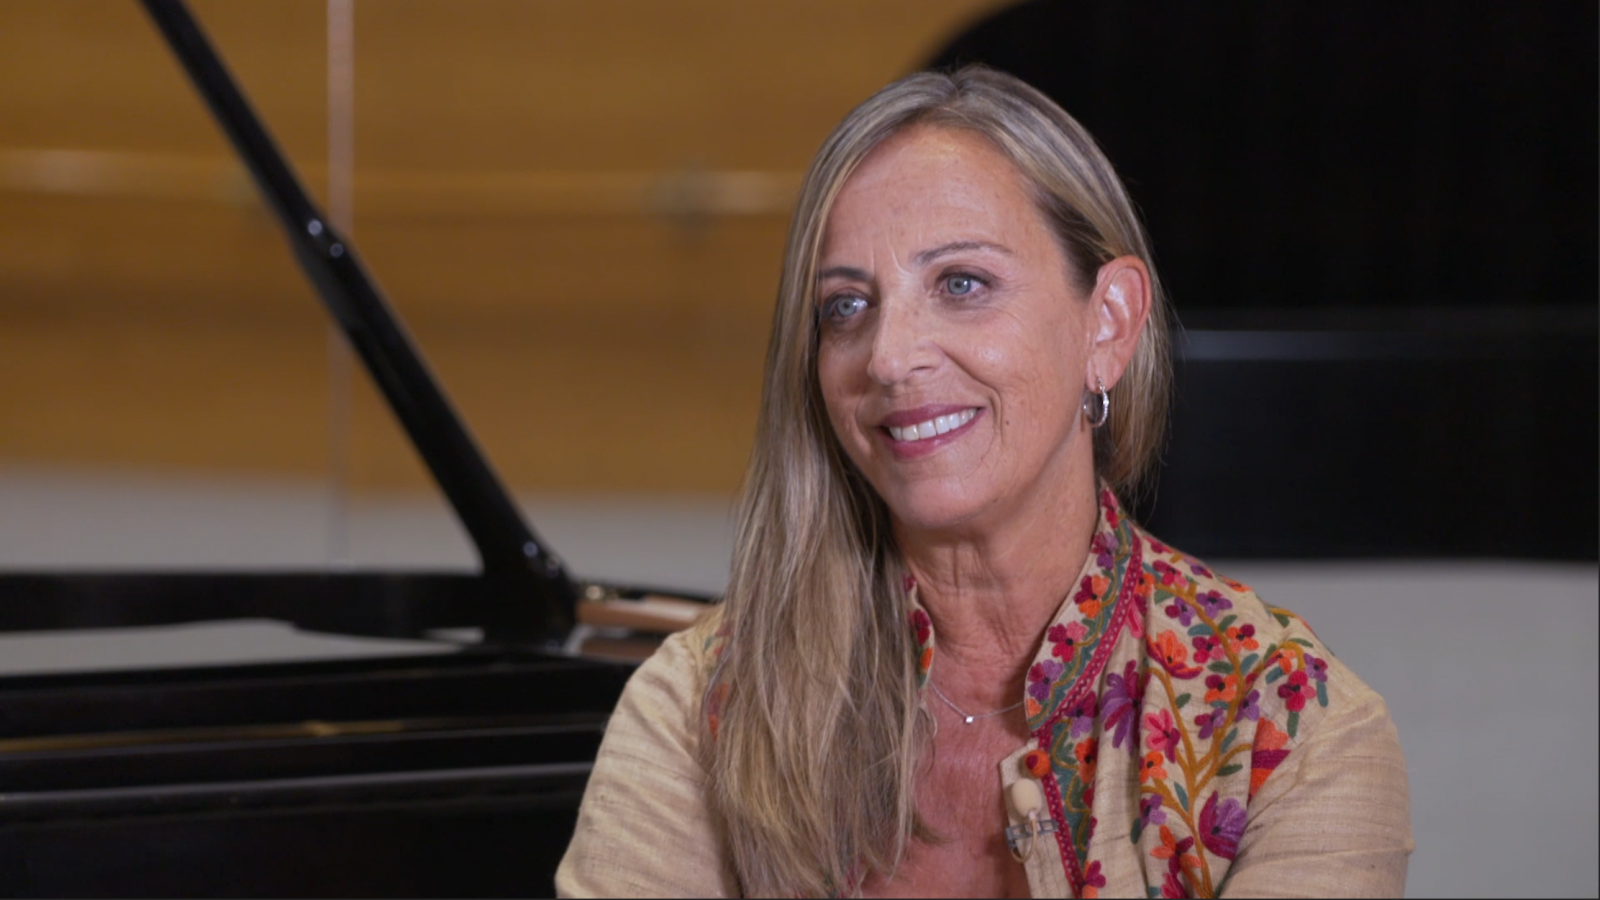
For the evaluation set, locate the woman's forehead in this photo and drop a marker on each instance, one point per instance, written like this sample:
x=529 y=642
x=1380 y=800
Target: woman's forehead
x=936 y=185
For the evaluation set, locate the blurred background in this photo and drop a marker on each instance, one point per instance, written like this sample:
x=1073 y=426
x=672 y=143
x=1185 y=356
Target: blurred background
x=1378 y=227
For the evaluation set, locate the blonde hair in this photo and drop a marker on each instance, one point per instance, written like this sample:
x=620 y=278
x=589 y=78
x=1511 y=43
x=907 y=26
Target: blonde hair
x=820 y=727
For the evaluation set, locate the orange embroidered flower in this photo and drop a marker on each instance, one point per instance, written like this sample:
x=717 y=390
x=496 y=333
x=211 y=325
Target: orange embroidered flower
x=1087 y=752
x=1153 y=767
x=1090 y=593
x=1223 y=688
x=1242 y=637
x=1168 y=649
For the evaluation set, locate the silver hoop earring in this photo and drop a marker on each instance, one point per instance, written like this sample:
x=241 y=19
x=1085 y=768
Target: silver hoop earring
x=1097 y=406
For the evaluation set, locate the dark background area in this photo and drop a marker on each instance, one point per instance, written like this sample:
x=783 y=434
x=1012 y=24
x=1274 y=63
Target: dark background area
x=1377 y=225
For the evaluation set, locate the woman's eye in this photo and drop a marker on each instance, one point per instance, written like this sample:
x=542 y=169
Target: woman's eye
x=960 y=284
x=840 y=308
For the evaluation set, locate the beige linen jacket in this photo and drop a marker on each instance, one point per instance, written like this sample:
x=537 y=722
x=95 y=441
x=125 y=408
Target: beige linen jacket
x=1188 y=740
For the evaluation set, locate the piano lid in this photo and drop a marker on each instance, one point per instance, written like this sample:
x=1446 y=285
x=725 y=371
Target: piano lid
x=523 y=593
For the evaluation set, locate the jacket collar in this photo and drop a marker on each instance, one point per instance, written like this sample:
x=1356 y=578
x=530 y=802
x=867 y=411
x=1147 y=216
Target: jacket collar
x=1080 y=635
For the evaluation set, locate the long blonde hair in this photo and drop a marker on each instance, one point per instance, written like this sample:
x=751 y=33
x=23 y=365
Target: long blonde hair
x=820 y=727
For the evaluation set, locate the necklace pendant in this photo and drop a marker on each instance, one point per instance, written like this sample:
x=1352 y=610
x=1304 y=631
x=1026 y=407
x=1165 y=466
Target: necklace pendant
x=969 y=719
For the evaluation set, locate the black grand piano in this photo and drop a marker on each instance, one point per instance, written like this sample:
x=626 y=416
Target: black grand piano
x=449 y=774
x=1370 y=429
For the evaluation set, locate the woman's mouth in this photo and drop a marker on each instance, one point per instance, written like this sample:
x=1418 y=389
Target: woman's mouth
x=932 y=427
x=915 y=433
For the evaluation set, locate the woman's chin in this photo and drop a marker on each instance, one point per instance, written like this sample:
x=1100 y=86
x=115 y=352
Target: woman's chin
x=935 y=511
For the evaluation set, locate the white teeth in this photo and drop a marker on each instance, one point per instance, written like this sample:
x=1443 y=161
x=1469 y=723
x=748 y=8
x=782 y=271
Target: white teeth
x=935 y=426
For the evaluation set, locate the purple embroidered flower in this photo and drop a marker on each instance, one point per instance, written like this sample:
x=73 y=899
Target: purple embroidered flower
x=1124 y=694
x=1248 y=710
x=1211 y=721
x=1207 y=647
x=1180 y=610
x=1082 y=715
x=1199 y=568
x=1221 y=826
x=1150 y=811
x=1213 y=603
x=1041 y=677
x=1104 y=548
x=1316 y=667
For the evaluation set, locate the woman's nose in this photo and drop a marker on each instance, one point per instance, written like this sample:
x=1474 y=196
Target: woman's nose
x=901 y=346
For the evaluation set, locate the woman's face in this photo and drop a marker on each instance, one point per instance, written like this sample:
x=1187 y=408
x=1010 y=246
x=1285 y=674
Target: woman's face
x=954 y=347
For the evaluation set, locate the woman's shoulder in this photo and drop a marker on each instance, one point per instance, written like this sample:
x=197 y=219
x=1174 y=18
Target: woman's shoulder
x=1218 y=638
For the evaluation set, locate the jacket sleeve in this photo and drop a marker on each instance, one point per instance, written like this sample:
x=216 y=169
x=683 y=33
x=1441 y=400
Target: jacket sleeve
x=644 y=828
x=1335 y=819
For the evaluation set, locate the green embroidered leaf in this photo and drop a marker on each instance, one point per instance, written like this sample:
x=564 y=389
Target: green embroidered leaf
x=1303 y=642
x=1230 y=769
x=1322 y=693
x=1274 y=674
x=1294 y=723
x=1227 y=620
x=1249 y=663
x=1199 y=629
x=1222 y=667
x=1233 y=735
x=1138 y=829
x=1183 y=796
x=1183 y=700
x=1283 y=619
x=1153 y=892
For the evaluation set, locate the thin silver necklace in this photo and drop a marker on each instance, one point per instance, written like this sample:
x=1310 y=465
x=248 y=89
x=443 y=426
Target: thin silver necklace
x=969 y=718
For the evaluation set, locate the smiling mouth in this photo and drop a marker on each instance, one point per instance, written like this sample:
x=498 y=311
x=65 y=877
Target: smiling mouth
x=933 y=427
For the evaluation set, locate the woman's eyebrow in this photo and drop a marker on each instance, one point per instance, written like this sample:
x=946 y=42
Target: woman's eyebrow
x=847 y=272
x=924 y=257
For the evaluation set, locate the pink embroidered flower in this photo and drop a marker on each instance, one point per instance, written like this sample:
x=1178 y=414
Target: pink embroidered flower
x=1161 y=733
x=1169 y=576
x=1064 y=639
x=1207 y=647
x=1294 y=691
x=1093 y=880
x=1108 y=502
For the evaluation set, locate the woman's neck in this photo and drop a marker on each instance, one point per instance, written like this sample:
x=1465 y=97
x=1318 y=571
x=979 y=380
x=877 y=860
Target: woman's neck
x=991 y=591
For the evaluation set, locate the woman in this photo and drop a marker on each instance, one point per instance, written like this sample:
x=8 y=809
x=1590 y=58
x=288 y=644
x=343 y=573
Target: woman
x=947 y=663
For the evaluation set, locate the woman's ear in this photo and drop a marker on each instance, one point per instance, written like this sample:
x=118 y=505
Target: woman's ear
x=1120 y=304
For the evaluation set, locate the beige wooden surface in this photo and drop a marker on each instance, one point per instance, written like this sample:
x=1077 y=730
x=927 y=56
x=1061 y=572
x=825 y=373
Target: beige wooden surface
x=578 y=206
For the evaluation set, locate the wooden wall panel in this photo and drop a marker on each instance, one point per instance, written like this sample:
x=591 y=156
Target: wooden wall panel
x=578 y=206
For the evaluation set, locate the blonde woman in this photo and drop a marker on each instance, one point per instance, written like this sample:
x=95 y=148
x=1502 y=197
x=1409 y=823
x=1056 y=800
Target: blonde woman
x=947 y=662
